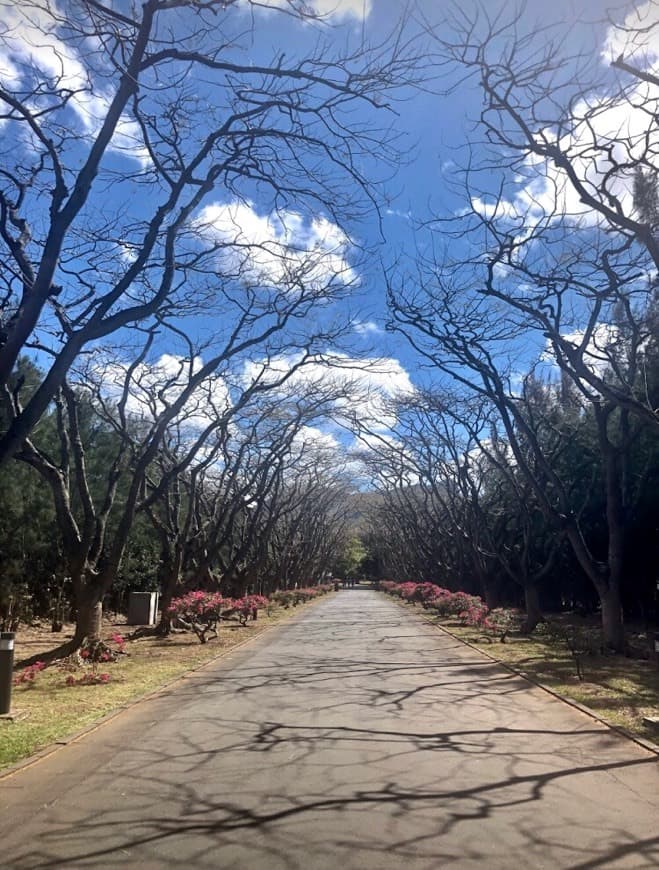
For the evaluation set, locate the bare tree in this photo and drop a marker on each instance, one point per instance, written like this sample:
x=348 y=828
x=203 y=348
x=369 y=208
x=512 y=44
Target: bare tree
x=216 y=516
x=311 y=519
x=122 y=128
x=561 y=195
x=142 y=404
x=442 y=472
x=463 y=336
x=414 y=513
x=552 y=263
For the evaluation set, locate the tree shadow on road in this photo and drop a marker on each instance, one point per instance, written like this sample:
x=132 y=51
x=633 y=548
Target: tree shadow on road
x=315 y=756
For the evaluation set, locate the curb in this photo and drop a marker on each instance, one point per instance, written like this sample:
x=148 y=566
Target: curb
x=640 y=741
x=56 y=745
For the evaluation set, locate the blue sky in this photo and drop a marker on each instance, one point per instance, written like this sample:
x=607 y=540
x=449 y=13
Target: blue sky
x=432 y=130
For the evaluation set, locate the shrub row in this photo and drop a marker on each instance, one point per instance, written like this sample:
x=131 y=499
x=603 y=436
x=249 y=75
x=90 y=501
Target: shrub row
x=197 y=611
x=468 y=609
x=201 y=611
x=292 y=597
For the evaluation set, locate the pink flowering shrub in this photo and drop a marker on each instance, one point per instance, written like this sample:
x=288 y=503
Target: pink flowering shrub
x=119 y=640
x=199 y=611
x=433 y=597
x=256 y=603
x=459 y=602
x=27 y=675
x=500 y=621
x=470 y=609
x=292 y=597
x=284 y=597
x=99 y=651
x=307 y=593
x=197 y=603
x=407 y=591
x=475 y=614
x=428 y=593
x=244 y=607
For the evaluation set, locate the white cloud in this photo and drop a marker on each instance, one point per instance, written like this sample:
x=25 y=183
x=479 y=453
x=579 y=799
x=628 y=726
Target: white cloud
x=342 y=9
x=10 y=75
x=280 y=249
x=32 y=48
x=382 y=458
x=598 y=351
x=607 y=137
x=635 y=36
x=153 y=387
x=502 y=208
x=317 y=439
x=366 y=387
x=395 y=212
x=377 y=441
x=34 y=51
x=366 y=327
x=334 y=10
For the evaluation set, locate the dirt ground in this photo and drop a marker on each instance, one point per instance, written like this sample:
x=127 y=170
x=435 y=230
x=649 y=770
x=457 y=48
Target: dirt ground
x=38 y=638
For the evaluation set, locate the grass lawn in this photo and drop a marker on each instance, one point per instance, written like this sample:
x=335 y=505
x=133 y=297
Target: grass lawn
x=619 y=689
x=52 y=710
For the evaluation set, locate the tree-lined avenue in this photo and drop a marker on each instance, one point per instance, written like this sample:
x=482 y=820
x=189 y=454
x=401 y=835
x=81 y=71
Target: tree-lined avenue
x=355 y=736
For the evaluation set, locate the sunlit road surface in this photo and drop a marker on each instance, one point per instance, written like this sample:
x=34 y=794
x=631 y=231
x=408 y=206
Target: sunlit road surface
x=355 y=736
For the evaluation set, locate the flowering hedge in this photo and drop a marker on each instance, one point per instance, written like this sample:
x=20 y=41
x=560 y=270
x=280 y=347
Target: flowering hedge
x=293 y=597
x=244 y=607
x=469 y=609
x=201 y=611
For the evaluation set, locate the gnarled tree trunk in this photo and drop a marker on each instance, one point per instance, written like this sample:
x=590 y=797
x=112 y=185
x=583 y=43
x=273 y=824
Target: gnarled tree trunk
x=89 y=623
x=532 y=606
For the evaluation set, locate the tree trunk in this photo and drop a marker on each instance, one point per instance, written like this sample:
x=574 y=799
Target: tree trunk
x=169 y=584
x=490 y=589
x=612 y=617
x=89 y=623
x=607 y=585
x=90 y=617
x=533 y=611
x=237 y=585
x=612 y=620
x=164 y=626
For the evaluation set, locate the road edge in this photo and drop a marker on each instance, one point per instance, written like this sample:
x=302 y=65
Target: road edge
x=623 y=732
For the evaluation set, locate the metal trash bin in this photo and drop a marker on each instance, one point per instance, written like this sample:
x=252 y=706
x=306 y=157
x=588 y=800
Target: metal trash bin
x=142 y=608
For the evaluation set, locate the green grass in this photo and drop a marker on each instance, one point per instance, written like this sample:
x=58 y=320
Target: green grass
x=52 y=710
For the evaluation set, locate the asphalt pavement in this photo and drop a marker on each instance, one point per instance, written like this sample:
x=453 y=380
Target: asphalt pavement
x=353 y=737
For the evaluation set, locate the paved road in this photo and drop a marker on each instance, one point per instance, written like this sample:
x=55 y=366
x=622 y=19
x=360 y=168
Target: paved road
x=354 y=737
